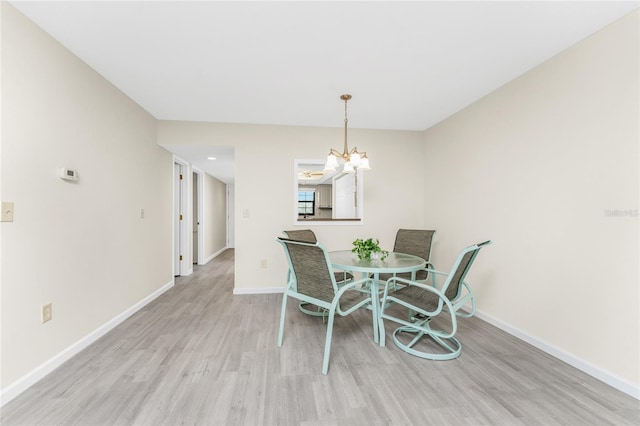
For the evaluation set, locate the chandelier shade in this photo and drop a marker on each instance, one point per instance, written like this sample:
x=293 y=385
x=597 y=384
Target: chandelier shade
x=353 y=159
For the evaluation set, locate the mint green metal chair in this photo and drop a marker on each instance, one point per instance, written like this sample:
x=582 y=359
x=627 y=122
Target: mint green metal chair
x=417 y=242
x=431 y=304
x=312 y=280
x=342 y=277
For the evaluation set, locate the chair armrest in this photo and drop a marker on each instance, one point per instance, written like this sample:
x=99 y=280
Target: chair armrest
x=452 y=305
x=433 y=273
x=351 y=284
x=442 y=299
x=464 y=299
x=436 y=272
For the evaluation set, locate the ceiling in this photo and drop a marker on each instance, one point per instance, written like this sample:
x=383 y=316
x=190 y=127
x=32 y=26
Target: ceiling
x=408 y=65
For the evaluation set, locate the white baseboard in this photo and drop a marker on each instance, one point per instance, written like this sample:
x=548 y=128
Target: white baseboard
x=213 y=256
x=592 y=370
x=22 y=384
x=37 y=374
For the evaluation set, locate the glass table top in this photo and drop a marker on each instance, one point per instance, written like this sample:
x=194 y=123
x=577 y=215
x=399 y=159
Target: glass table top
x=395 y=262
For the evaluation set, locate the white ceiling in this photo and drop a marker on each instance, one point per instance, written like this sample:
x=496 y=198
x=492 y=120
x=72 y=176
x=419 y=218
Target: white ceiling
x=408 y=65
x=222 y=167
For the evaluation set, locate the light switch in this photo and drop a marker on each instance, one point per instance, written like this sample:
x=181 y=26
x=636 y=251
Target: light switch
x=7 y=211
x=245 y=213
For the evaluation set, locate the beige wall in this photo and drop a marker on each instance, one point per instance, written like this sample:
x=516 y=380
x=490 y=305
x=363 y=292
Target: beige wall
x=264 y=157
x=81 y=246
x=215 y=215
x=535 y=166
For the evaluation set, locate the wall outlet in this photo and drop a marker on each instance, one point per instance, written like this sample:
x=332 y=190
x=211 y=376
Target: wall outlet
x=7 y=211
x=263 y=263
x=47 y=313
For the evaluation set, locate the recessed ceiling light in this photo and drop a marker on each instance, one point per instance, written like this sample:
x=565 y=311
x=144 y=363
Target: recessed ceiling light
x=211 y=158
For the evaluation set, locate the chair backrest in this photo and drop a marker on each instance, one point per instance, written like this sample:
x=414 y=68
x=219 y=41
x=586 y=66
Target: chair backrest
x=416 y=242
x=311 y=268
x=301 y=235
x=453 y=285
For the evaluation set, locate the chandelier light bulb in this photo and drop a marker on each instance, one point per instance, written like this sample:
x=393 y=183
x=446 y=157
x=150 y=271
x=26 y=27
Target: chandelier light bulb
x=355 y=159
x=331 y=163
x=348 y=168
x=364 y=164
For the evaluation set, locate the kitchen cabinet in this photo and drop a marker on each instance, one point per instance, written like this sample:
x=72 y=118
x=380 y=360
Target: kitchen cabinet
x=325 y=197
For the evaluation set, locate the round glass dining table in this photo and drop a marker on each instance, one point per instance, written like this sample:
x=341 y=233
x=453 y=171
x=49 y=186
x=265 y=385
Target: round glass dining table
x=394 y=263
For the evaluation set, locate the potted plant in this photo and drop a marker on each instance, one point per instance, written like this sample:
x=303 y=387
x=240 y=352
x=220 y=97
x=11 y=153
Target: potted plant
x=368 y=249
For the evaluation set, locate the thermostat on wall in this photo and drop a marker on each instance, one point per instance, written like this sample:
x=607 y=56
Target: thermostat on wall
x=68 y=174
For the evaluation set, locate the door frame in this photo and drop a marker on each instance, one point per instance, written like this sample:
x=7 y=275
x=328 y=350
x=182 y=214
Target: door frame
x=200 y=215
x=181 y=204
x=231 y=200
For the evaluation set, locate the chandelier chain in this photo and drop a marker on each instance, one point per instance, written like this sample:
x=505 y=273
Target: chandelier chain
x=346 y=120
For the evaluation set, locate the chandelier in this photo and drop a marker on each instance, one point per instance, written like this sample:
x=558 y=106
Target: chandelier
x=353 y=159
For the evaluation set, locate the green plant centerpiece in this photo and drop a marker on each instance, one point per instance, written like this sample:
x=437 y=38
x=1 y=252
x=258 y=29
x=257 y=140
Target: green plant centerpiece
x=365 y=248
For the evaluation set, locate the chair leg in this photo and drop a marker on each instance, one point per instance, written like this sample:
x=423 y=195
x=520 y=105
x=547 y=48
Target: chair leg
x=454 y=349
x=375 y=311
x=282 y=315
x=381 y=331
x=327 y=343
x=451 y=344
x=419 y=335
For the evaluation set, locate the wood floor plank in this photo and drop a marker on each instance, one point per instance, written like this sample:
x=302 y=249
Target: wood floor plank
x=198 y=355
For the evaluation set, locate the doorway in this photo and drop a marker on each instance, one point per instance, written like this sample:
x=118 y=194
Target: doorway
x=195 y=222
x=198 y=224
x=180 y=235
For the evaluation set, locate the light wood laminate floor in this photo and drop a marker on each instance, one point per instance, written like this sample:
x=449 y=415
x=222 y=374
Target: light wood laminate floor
x=199 y=355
